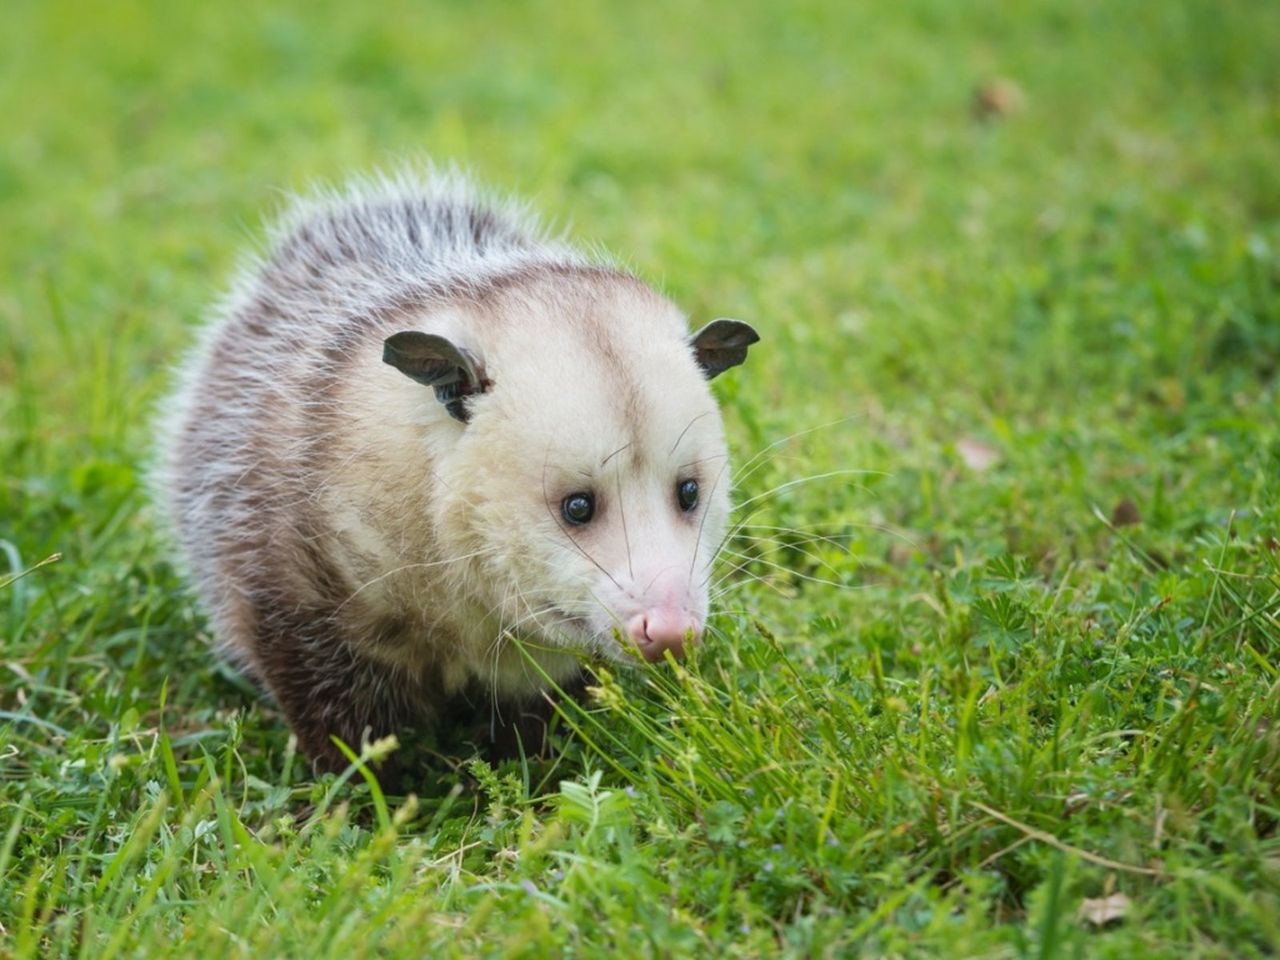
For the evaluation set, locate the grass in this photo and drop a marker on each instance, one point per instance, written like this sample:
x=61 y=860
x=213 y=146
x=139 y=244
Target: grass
x=1024 y=332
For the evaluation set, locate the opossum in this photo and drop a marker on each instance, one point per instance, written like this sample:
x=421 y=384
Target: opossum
x=419 y=429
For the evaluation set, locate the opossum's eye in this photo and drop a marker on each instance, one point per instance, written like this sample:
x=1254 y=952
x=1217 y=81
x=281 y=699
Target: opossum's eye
x=687 y=494
x=577 y=508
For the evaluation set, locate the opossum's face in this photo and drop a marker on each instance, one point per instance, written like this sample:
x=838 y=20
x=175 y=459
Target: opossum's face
x=592 y=478
x=619 y=522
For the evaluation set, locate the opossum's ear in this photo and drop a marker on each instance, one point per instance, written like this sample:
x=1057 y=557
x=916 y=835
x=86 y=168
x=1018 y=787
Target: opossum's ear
x=722 y=344
x=433 y=360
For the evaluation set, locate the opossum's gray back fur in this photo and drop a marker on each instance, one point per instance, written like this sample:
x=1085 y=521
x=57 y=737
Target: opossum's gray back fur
x=382 y=239
x=241 y=437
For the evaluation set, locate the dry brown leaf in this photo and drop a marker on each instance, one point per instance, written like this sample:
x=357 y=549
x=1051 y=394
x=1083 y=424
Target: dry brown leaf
x=996 y=99
x=1125 y=514
x=900 y=554
x=1104 y=910
x=977 y=456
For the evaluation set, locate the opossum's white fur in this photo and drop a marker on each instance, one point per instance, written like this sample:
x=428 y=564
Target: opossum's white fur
x=350 y=538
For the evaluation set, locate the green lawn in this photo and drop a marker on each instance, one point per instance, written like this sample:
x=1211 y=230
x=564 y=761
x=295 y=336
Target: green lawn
x=955 y=690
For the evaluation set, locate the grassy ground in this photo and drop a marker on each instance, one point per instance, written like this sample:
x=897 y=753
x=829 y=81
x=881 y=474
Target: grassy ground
x=1042 y=668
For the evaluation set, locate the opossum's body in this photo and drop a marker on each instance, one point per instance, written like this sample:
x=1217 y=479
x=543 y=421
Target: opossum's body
x=368 y=542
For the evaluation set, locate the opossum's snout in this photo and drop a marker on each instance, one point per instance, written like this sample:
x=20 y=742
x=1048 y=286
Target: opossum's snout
x=663 y=629
x=660 y=614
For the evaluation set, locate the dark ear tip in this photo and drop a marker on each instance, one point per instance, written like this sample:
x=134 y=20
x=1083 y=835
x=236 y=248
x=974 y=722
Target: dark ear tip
x=725 y=334
x=729 y=332
x=403 y=338
x=394 y=346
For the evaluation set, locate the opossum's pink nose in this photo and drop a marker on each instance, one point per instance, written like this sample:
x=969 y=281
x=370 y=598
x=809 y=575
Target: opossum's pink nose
x=663 y=629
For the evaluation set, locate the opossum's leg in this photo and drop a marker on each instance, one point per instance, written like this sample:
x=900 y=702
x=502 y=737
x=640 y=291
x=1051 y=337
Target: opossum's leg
x=524 y=726
x=327 y=690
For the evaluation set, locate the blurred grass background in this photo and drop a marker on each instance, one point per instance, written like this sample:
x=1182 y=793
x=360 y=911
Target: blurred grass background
x=1026 y=321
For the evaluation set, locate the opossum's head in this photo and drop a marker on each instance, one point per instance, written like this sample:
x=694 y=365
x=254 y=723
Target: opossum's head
x=589 y=473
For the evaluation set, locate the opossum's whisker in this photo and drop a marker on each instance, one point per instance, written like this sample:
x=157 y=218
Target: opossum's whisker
x=796 y=542
x=760 y=500
x=836 y=540
x=770 y=546
x=533 y=614
x=836 y=526
x=579 y=611
x=687 y=428
x=622 y=512
x=694 y=463
x=722 y=587
x=457 y=601
x=702 y=523
x=760 y=458
x=728 y=579
x=731 y=611
x=496 y=647
x=732 y=531
x=411 y=566
x=605 y=461
x=721 y=580
x=508 y=634
x=530 y=612
x=714 y=631
x=838 y=536
x=783 y=542
x=749 y=466
x=544 y=625
x=809 y=479
x=736 y=532
x=787 y=570
x=718 y=579
x=731 y=581
x=651 y=582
